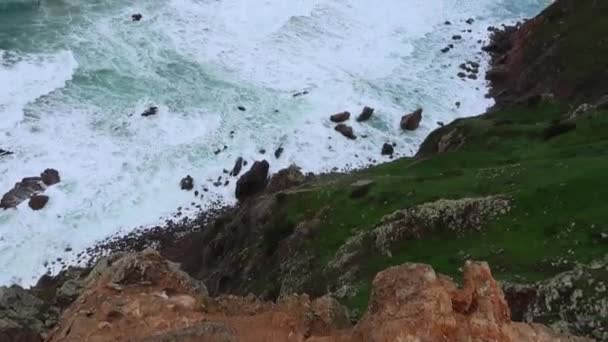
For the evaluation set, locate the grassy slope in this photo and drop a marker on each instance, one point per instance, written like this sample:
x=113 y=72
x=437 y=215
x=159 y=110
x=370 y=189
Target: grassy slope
x=558 y=186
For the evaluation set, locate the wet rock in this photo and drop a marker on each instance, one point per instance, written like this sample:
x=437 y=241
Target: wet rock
x=447 y=22
x=150 y=111
x=298 y=94
x=241 y=108
x=340 y=117
x=346 y=131
x=278 y=152
x=411 y=122
x=238 y=165
x=456 y=37
x=262 y=151
x=253 y=181
x=21 y=191
x=187 y=183
x=38 y=202
x=462 y=75
x=136 y=17
x=50 y=177
x=366 y=114
x=445 y=50
x=470 y=21
x=387 y=149
x=5 y=152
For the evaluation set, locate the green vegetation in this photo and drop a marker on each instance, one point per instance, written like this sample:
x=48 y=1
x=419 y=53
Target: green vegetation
x=558 y=188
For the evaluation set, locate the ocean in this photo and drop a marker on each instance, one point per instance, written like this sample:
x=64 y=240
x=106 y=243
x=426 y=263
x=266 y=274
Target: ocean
x=76 y=75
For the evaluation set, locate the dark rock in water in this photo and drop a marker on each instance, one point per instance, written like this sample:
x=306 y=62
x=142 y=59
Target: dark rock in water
x=346 y=131
x=470 y=21
x=447 y=22
x=445 y=50
x=387 y=149
x=440 y=123
x=21 y=191
x=38 y=202
x=462 y=75
x=241 y=108
x=472 y=76
x=411 y=122
x=457 y=104
x=456 y=37
x=217 y=184
x=187 y=183
x=305 y=92
x=253 y=181
x=366 y=114
x=5 y=152
x=136 y=17
x=150 y=111
x=195 y=192
x=238 y=165
x=262 y=151
x=340 y=117
x=50 y=177
x=279 y=151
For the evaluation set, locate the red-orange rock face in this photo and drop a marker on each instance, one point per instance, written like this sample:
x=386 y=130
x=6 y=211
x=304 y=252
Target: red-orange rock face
x=142 y=297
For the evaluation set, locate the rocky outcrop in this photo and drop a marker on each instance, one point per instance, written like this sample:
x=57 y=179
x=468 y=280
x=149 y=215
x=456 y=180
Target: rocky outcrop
x=346 y=131
x=387 y=149
x=38 y=202
x=238 y=166
x=366 y=114
x=574 y=301
x=28 y=187
x=187 y=183
x=23 y=316
x=142 y=297
x=411 y=122
x=253 y=181
x=285 y=179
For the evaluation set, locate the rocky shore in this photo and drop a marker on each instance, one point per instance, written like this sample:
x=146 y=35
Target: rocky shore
x=352 y=257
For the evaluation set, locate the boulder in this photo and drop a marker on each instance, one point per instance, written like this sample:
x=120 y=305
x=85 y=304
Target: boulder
x=366 y=114
x=50 y=177
x=387 y=149
x=346 y=131
x=411 y=122
x=238 y=165
x=5 y=152
x=38 y=202
x=150 y=111
x=187 y=183
x=340 y=117
x=253 y=181
x=21 y=191
x=136 y=17
x=278 y=152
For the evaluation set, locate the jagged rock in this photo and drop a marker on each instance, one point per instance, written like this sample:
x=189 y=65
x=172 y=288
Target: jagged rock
x=366 y=114
x=187 y=183
x=21 y=191
x=150 y=111
x=50 y=177
x=278 y=152
x=238 y=166
x=340 y=117
x=38 y=202
x=346 y=131
x=253 y=181
x=5 y=153
x=136 y=17
x=286 y=178
x=387 y=149
x=411 y=122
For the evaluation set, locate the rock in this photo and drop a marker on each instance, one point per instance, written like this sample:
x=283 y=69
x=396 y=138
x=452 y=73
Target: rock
x=470 y=21
x=305 y=92
x=253 y=181
x=456 y=37
x=5 y=153
x=21 y=191
x=38 y=202
x=150 y=111
x=445 y=50
x=340 y=117
x=50 y=177
x=411 y=122
x=23 y=316
x=241 y=108
x=387 y=149
x=286 y=179
x=136 y=17
x=472 y=76
x=346 y=131
x=366 y=114
x=462 y=74
x=447 y=22
x=278 y=152
x=440 y=123
x=238 y=165
x=187 y=183
x=497 y=73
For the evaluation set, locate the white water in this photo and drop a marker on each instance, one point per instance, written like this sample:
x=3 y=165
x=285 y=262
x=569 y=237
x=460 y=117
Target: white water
x=71 y=74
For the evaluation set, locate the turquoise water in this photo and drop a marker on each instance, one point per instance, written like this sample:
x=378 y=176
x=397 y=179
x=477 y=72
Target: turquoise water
x=72 y=73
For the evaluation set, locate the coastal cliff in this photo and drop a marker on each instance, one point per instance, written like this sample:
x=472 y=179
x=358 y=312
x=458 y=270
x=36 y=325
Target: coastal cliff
x=521 y=187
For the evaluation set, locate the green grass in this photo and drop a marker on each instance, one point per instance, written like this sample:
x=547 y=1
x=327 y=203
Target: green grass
x=558 y=189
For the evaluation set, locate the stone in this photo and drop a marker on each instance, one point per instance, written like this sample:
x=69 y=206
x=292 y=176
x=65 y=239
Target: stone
x=387 y=149
x=136 y=17
x=366 y=114
x=241 y=108
x=340 y=117
x=187 y=183
x=346 y=131
x=38 y=202
x=411 y=122
x=278 y=152
x=50 y=177
x=150 y=111
x=253 y=181
x=238 y=165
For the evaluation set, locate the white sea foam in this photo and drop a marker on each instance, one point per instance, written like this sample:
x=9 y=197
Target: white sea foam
x=197 y=60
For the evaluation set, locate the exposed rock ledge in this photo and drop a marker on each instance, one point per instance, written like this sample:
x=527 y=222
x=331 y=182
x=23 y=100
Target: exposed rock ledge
x=142 y=297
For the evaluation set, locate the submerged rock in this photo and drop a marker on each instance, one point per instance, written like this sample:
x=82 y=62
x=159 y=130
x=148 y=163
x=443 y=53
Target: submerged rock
x=5 y=152
x=38 y=202
x=136 y=17
x=253 y=181
x=21 y=191
x=278 y=152
x=366 y=114
x=150 y=111
x=238 y=165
